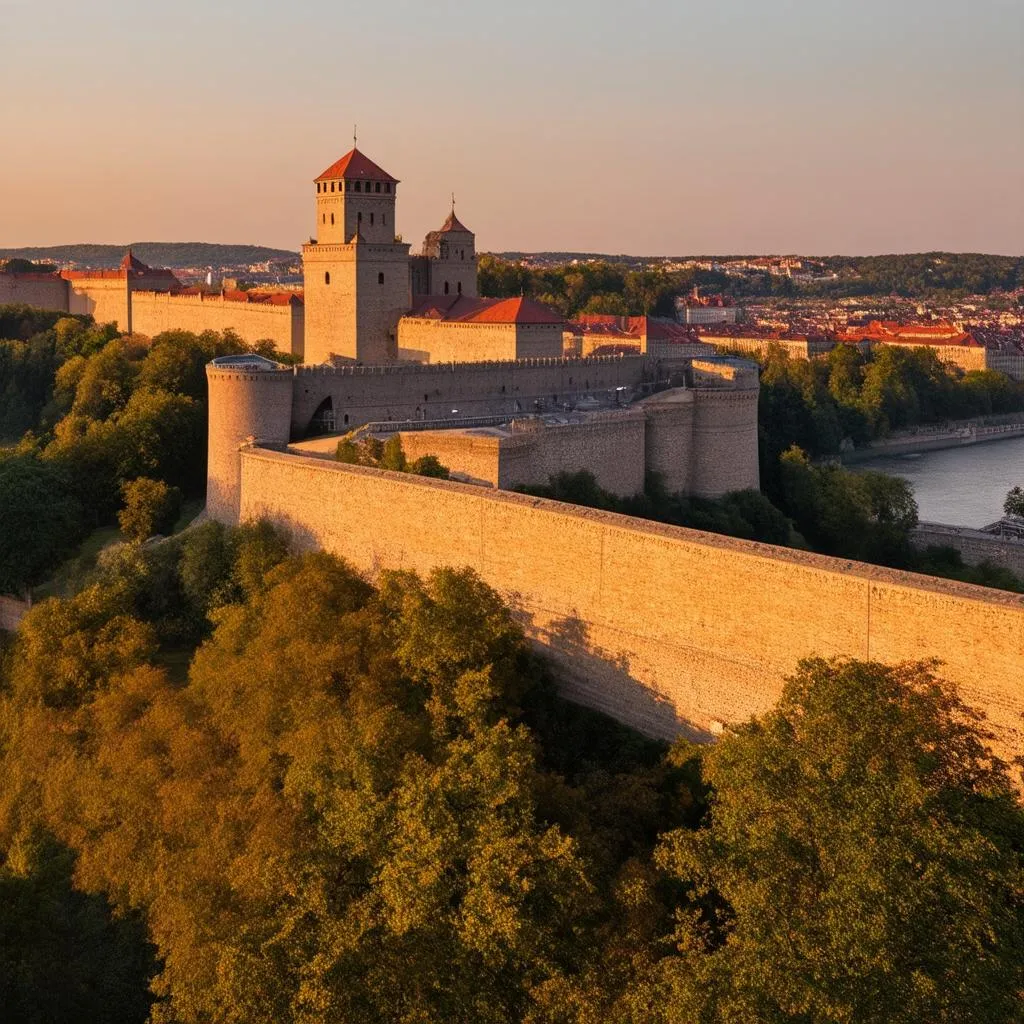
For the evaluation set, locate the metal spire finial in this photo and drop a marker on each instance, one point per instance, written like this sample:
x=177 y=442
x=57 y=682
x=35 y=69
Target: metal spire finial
x=453 y=202
x=354 y=136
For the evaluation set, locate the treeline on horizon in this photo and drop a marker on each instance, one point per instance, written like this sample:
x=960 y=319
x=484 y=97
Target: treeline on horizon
x=609 y=286
x=244 y=785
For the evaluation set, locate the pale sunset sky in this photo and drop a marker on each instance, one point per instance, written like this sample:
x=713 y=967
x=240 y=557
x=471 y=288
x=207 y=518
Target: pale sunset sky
x=648 y=127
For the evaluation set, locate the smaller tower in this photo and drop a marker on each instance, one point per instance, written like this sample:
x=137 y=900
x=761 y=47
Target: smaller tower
x=450 y=258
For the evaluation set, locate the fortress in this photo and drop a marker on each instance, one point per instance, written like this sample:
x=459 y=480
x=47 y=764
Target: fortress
x=667 y=629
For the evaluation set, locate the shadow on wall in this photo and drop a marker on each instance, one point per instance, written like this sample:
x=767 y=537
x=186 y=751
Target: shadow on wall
x=600 y=679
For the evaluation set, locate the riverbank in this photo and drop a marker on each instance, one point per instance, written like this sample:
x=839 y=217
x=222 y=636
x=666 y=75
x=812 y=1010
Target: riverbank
x=956 y=434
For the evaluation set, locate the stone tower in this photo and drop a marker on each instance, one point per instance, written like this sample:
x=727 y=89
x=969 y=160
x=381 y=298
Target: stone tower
x=448 y=263
x=356 y=274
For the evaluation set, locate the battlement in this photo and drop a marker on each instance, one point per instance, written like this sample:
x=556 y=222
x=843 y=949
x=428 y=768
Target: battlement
x=399 y=369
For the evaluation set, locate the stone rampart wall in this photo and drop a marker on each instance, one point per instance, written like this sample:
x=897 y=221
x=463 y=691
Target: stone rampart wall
x=610 y=447
x=975 y=547
x=474 y=458
x=154 y=312
x=41 y=291
x=103 y=298
x=664 y=628
x=362 y=394
x=441 y=341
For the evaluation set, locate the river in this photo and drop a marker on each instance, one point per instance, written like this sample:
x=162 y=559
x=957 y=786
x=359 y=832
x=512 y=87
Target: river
x=960 y=486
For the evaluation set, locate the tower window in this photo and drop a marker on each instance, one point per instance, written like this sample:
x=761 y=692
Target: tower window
x=460 y=287
x=377 y=188
x=332 y=218
x=332 y=186
x=380 y=277
x=318 y=186
x=325 y=218
x=359 y=217
x=357 y=186
x=446 y=287
x=327 y=277
x=384 y=219
x=371 y=218
x=387 y=186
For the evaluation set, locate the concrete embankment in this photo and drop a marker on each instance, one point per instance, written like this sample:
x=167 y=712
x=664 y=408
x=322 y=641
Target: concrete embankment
x=956 y=434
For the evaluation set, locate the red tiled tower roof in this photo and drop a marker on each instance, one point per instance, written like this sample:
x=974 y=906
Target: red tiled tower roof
x=355 y=166
x=454 y=224
x=131 y=263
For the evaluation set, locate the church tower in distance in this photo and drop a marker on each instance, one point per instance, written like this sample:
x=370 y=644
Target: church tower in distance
x=356 y=275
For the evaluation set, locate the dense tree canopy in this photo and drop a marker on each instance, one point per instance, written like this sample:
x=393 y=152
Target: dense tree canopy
x=320 y=800
x=94 y=411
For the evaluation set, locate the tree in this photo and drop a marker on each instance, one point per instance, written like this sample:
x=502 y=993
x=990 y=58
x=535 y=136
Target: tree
x=429 y=465
x=150 y=507
x=41 y=519
x=863 y=860
x=1014 y=504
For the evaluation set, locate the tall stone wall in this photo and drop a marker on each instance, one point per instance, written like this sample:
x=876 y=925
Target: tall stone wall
x=41 y=291
x=974 y=546
x=443 y=341
x=664 y=628
x=105 y=299
x=154 y=312
x=611 y=447
x=473 y=458
x=361 y=394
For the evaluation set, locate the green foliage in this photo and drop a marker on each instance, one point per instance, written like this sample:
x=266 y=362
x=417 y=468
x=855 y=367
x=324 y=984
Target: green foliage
x=329 y=802
x=864 y=515
x=150 y=507
x=389 y=454
x=937 y=560
x=393 y=457
x=1014 y=503
x=748 y=514
x=862 y=861
x=63 y=955
x=429 y=465
x=818 y=403
x=41 y=519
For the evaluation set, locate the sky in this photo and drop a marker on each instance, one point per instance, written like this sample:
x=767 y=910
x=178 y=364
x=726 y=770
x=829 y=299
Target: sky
x=649 y=127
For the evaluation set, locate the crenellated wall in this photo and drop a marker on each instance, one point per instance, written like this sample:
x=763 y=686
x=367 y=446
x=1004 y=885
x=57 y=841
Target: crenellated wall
x=663 y=628
x=412 y=391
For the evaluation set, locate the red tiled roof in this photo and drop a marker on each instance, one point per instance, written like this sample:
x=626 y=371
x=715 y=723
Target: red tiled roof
x=131 y=263
x=454 y=224
x=463 y=309
x=354 y=165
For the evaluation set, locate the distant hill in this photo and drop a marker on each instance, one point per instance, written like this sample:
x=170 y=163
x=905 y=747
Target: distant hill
x=157 y=254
